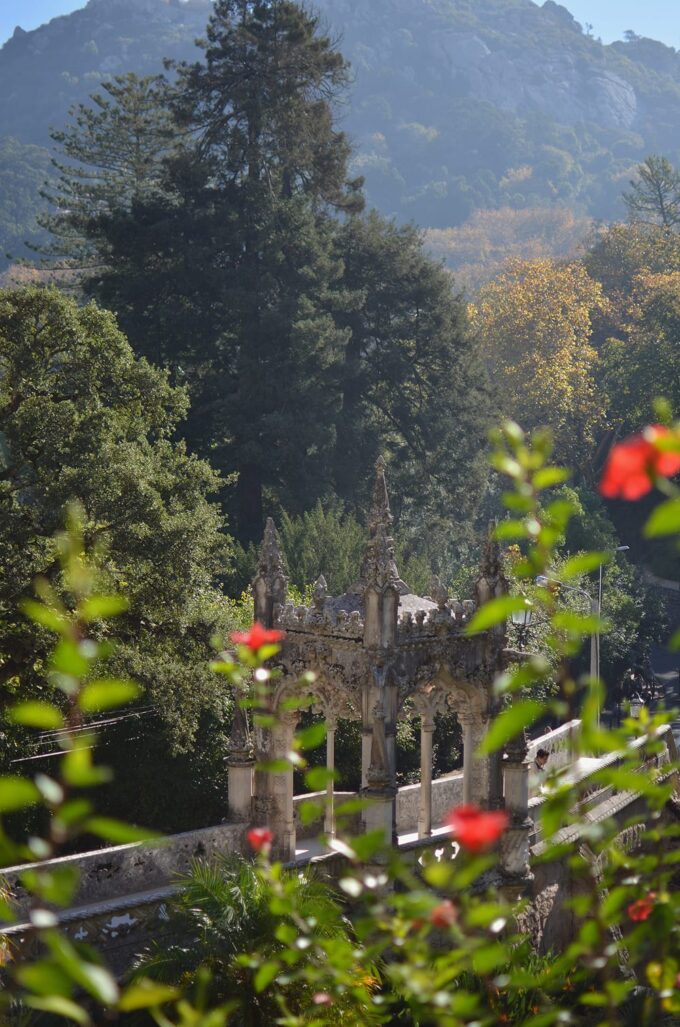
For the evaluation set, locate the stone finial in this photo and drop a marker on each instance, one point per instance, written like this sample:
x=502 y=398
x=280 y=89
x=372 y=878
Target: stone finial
x=379 y=567
x=380 y=504
x=439 y=592
x=491 y=581
x=270 y=584
x=319 y=593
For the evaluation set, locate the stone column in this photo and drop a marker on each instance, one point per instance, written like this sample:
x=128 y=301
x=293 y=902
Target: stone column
x=379 y=793
x=329 y=818
x=282 y=822
x=240 y=764
x=514 y=845
x=475 y=768
x=425 y=806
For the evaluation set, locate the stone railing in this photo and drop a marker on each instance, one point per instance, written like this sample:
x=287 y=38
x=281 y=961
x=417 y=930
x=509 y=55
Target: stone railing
x=560 y=743
x=108 y=874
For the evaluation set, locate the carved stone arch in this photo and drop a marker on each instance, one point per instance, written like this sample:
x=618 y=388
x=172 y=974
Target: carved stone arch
x=330 y=689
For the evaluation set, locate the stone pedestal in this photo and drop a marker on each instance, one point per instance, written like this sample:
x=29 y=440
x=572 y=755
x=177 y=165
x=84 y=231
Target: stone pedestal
x=240 y=785
x=379 y=811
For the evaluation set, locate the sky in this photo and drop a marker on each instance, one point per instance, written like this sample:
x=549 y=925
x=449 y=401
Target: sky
x=659 y=19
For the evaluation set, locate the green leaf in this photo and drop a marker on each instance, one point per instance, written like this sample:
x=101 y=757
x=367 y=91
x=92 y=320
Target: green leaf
x=118 y=831
x=102 y=607
x=509 y=723
x=17 y=793
x=266 y=974
x=44 y=615
x=77 y=769
x=60 y=1006
x=510 y=530
x=311 y=737
x=275 y=766
x=317 y=778
x=488 y=958
x=549 y=476
x=583 y=564
x=575 y=623
x=93 y=978
x=665 y=520
x=674 y=644
x=68 y=658
x=145 y=993
x=107 y=693
x=38 y=714
x=495 y=612
x=310 y=811
x=44 y=978
x=56 y=885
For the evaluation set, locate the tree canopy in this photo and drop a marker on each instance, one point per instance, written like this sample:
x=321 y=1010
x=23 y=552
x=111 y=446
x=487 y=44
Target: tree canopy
x=84 y=420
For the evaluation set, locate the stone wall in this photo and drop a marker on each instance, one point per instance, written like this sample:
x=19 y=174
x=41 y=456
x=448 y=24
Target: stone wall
x=126 y=870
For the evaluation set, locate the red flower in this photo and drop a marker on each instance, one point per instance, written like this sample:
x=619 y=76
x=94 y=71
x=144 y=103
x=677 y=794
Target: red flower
x=475 y=829
x=260 y=839
x=641 y=909
x=257 y=636
x=633 y=464
x=444 y=914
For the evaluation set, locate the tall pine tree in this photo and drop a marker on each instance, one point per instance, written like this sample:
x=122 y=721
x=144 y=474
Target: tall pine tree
x=310 y=337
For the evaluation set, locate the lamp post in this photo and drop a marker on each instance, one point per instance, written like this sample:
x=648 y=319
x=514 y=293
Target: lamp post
x=522 y=621
x=595 y=609
x=619 y=549
x=542 y=581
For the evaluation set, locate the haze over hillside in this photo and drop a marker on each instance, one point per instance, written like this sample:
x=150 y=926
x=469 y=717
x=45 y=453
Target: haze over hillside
x=456 y=106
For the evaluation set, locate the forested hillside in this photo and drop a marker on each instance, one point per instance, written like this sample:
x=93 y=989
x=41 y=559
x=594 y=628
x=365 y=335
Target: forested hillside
x=454 y=107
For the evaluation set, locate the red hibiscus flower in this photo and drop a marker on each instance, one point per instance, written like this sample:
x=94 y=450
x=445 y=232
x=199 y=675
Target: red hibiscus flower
x=641 y=909
x=444 y=914
x=475 y=829
x=634 y=463
x=260 y=839
x=257 y=636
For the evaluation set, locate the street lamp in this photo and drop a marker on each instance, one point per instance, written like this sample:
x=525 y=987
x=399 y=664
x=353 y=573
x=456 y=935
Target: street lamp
x=543 y=582
x=619 y=549
x=595 y=609
x=522 y=621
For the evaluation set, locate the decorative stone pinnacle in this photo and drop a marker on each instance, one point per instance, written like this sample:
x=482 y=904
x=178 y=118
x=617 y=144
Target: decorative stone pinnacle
x=378 y=566
x=270 y=584
x=380 y=505
x=491 y=581
x=271 y=559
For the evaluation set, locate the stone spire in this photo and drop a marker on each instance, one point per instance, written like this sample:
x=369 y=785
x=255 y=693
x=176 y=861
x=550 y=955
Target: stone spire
x=491 y=581
x=270 y=584
x=378 y=567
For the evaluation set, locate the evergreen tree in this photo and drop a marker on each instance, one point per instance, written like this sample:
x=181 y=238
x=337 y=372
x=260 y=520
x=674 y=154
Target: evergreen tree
x=654 y=196
x=114 y=150
x=411 y=384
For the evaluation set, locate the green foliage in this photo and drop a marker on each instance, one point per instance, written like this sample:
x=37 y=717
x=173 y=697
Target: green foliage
x=322 y=541
x=82 y=419
x=243 y=921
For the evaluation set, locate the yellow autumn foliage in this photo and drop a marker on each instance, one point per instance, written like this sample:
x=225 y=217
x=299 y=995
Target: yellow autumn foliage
x=534 y=323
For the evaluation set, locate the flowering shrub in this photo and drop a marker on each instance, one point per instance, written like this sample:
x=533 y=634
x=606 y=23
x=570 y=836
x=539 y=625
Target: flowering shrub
x=431 y=943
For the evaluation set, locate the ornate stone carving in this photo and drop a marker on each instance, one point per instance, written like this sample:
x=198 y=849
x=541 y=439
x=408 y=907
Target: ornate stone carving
x=271 y=565
x=240 y=741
